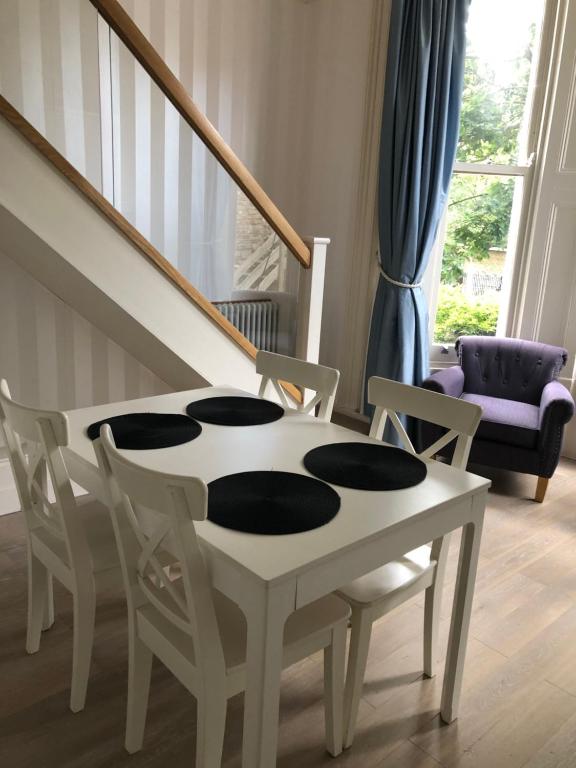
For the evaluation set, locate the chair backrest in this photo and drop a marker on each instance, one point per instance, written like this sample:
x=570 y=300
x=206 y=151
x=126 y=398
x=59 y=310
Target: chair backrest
x=512 y=369
x=319 y=378
x=152 y=511
x=44 y=434
x=459 y=417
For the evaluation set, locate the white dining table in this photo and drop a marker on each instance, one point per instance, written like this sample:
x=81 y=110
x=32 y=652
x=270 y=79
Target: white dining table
x=269 y=577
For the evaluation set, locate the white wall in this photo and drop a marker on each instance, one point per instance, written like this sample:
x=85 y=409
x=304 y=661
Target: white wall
x=166 y=182
x=285 y=84
x=52 y=357
x=288 y=84
x=71 y=247
x=320 y=116
x=49 y=73
x=49 y=353
x=546 y=306
x=247 y=64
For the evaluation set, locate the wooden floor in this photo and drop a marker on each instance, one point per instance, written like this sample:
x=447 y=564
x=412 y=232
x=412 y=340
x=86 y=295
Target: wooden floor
x=518 y=704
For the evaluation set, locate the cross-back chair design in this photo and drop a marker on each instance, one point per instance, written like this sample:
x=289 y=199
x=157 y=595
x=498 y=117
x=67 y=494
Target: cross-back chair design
x=322 y=380
x=197 y=632
x=70 y=539
x=377 y=593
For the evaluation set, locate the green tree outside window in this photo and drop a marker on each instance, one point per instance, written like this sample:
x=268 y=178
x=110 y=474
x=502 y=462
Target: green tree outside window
x=480 y=206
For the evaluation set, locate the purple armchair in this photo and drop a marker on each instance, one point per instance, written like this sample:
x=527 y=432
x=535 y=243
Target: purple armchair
x=524 y=407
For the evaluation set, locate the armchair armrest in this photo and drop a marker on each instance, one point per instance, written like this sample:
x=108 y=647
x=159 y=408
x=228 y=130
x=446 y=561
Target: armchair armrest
x=556 y=406
x=447 y=381
x=556 y=409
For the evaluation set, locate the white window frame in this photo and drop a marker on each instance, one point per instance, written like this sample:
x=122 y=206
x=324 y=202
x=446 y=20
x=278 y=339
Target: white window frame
x=444 y=355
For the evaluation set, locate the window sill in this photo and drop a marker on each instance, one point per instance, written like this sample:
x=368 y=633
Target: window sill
x=442 y=356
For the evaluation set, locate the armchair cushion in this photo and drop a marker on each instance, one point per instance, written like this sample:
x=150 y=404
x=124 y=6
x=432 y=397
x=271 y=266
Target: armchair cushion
x=506 y=421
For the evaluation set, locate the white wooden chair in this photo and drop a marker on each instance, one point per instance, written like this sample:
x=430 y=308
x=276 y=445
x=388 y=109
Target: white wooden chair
x=197 y=632
x=380 y=591
x=322 y=380
x=70 y=538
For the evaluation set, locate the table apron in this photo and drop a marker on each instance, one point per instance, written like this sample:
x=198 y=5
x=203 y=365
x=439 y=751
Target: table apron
x=331 y=574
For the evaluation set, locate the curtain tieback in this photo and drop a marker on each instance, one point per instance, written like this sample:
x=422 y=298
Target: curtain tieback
x=397 y=282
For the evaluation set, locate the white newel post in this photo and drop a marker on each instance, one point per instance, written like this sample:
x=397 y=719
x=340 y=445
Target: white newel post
x=310 y=301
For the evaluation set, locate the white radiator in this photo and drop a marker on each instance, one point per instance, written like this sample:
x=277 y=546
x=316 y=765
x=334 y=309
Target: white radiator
x=257 y=320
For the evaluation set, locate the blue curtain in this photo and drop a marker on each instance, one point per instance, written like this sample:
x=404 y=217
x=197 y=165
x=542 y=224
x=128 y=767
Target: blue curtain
x=419 y=136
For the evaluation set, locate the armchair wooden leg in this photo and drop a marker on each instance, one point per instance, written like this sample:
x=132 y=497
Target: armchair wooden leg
x=541 y=489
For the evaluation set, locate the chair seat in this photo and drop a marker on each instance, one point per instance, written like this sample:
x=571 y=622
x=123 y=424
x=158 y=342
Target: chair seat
x=506 y=421
x=312 y=619
x=99 y=533
x=390 y=578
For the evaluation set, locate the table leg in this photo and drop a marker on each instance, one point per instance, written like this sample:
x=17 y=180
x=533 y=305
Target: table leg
x=461 y=611
x=266 y=616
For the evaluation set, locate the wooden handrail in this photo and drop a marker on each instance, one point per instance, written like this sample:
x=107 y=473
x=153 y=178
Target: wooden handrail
x=145 y=53
x=62 y=165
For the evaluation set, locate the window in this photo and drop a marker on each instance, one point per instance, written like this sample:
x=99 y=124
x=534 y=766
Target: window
x=470 y=279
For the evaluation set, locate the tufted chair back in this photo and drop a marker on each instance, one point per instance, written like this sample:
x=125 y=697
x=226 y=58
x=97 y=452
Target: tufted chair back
x=508 y=368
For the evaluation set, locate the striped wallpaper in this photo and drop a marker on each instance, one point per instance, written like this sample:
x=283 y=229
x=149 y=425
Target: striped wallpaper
x=53 y=358
x=78 y=86
x=165 y=180
x=50 y=355
x=49 y=72
x=55 y=58
x=77 y=83
x=282 y=80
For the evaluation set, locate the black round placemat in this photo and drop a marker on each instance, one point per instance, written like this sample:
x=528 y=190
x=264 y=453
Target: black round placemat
x=235 y=411
x=143 y=431
x=365 y=466
x=271 y=503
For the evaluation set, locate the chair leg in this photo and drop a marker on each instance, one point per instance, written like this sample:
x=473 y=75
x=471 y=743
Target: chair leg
x=84 y=615
x=48 y=619
x=210 y=730
x=334 y=666
x=139 y=671
x=38 y=588
x=361 y=622
x=541 y=489
x=432 y=606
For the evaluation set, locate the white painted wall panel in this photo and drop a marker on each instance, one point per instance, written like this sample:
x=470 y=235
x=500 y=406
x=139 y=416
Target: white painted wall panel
x=548 y=311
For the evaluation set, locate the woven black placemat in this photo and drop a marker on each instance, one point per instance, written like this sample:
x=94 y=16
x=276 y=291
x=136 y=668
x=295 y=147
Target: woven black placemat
x=144 y=431
x=271 y=503
x=365 y=466
x=235 y=411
